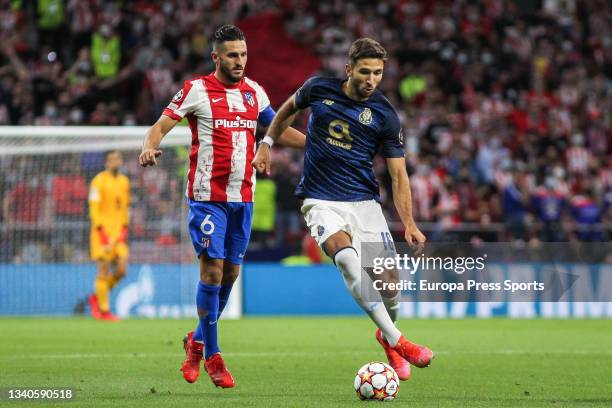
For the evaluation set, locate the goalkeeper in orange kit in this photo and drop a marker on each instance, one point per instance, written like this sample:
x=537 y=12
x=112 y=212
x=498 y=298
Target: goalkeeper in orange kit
x=109 y=199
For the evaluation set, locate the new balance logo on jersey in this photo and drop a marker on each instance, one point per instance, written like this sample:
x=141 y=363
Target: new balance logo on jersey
x=238 y=123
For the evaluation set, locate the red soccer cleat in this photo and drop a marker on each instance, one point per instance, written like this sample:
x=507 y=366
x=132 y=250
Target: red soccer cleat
x=193 y=356
x=219 y=374
x=94 y=307
x=417 y=355
x=108 y=316
x=399 y=364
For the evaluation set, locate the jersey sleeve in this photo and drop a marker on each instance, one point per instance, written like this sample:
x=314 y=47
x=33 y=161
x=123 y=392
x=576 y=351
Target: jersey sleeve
x=393 y=137
x=125 y=214
x=95 y=197
x=302 y=95
x=263 y=102
x=266 y=116
x=184 y=102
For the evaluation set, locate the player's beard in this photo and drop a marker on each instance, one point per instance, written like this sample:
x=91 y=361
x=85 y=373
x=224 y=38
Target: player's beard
x=365 y=93
x=229 y=73
x=361 y=91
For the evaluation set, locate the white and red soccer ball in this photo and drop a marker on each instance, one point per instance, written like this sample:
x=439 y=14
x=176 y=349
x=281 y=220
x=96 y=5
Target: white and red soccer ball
x=377 y=381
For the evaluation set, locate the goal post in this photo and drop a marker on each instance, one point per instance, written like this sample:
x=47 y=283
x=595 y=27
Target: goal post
x=45 y=266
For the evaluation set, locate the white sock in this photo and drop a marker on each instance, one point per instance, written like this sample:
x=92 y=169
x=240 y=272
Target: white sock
x=393 y=305
x=348 y=263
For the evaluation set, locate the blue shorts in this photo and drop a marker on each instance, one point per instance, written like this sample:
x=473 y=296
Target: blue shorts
x=222 y=230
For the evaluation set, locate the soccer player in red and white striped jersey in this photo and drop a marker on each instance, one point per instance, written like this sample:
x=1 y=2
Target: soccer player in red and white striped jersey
x=223 y=110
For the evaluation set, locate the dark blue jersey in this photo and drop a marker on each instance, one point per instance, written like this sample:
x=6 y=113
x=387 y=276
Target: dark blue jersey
x=343 y=137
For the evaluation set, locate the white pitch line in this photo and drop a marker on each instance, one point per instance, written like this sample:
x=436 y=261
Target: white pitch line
x=268 y=354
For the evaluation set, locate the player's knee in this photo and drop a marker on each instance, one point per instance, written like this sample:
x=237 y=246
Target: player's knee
x=346 y=258
x=230 y=274
x=211 y=270
x=336 y=242
x=121 y=269
x=211 y=275
x=103 y=269
x=389 y=295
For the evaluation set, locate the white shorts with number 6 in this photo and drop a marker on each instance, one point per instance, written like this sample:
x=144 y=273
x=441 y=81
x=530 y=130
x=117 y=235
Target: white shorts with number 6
x=362 y=220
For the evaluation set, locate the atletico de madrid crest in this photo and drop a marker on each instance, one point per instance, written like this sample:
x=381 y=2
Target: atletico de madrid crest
x=248 y=97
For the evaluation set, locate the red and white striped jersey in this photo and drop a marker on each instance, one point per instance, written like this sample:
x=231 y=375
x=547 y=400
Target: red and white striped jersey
x=223 y=119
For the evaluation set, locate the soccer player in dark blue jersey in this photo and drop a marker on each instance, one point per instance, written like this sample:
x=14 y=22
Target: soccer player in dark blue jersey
x=350 y=122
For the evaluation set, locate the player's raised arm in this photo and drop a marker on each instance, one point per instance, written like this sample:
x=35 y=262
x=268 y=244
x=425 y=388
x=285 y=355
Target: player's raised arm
x=283 y=118
x=155 y=134
x=402 y=198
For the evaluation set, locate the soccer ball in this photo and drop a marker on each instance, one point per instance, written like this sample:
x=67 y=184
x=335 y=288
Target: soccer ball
x=376 y=381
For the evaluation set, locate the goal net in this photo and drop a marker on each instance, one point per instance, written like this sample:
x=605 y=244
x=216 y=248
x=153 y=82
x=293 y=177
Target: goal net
x=44 y=219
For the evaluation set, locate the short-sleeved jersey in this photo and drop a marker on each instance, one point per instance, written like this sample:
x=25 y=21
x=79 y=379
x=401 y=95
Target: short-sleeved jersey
x=109 y=200
x=223 y=120
x=343 y=137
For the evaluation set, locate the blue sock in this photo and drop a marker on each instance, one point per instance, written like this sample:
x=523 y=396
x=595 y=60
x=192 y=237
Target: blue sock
x=224 y=295
x=197 y=334
x=207 y=300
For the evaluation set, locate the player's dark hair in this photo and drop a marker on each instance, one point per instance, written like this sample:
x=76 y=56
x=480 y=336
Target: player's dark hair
x=366 y=48
x=109 y=152
x=227 y=32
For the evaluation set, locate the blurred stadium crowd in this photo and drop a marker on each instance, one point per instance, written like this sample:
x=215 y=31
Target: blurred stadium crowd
x=506 y=105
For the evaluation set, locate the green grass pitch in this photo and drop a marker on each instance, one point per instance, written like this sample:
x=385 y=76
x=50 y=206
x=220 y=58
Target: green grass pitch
x=311 y=362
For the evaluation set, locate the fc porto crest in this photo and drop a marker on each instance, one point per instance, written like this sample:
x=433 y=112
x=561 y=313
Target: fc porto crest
x=248 y=97
x=365 y=116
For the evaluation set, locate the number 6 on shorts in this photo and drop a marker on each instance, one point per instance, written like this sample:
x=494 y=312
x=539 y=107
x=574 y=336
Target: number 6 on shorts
x=207 y=227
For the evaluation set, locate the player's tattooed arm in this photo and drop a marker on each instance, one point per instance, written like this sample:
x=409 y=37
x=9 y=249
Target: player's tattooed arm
x=402 y=198
x=150 y=147
x=283 y=118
